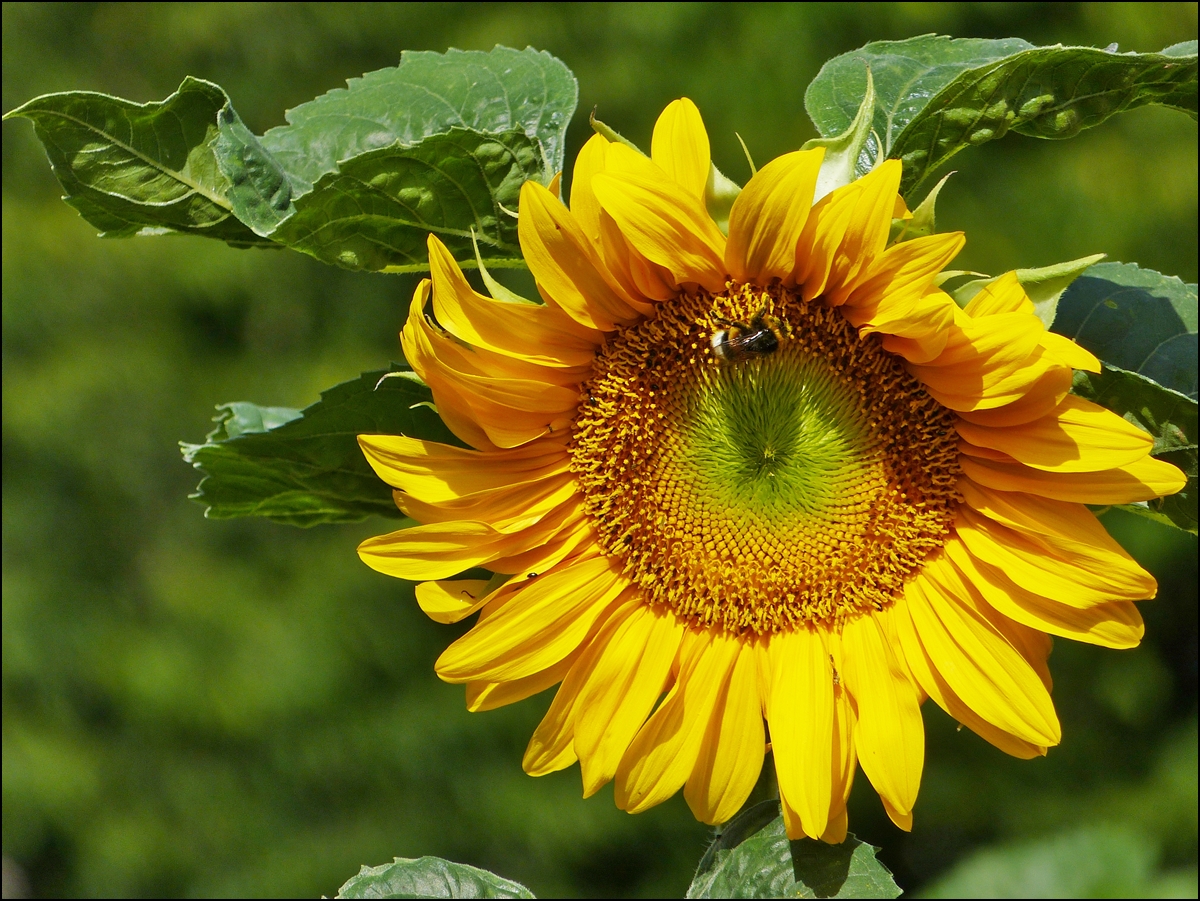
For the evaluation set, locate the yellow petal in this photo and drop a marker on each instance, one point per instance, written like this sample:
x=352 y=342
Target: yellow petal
x=975 y=659
x=1069 y=353
x=680 y=146
x=890 y=736
x=731 y=756
x=800 y=715
x=1138 y=481
x=435 y=472
x=1065 y=531
x=526 y=331
x=621 y=691
x=867 y=232
x=661 y=220
x=917 y=660
x=665 y=750
x=1114 y=625
x=584 y=205
x=492 y=695
x=449 y=602
x=565 y=264
x=1039 y=399
x=1078 y=436
x=821 y=238
x=768 y=217
x=499 y=507
x=538 y=627
x=434 y=551
x=1027 y=563
x=552 y=745
x=901 y=276
x=1004 y=295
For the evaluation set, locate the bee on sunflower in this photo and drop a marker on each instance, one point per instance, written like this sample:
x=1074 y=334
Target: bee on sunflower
x=770 y=490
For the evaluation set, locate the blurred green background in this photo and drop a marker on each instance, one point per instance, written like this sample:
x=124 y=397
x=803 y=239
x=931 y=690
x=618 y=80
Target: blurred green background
x=197 y=708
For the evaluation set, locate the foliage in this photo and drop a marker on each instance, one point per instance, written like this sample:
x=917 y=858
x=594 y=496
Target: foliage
x=214 y=708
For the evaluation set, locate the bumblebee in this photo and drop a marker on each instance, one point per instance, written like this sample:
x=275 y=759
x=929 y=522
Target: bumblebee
x=736 y=342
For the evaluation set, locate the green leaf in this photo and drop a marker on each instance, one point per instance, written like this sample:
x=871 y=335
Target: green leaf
x=430 y=877
x=1136 y=319
x=938 y=95
x=752 y=858
x=1168 y=416
x=305 y=467
x=141 y=168
x=1142 y=325
x=495 y=91
x=377 y=210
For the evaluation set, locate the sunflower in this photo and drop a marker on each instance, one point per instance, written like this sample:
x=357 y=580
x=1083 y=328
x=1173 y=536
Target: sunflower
x=772 y=481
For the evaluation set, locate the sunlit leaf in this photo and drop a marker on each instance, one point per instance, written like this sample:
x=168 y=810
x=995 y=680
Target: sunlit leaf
x=752 y=858
x=937 y=95
x=430 y=877
x=141 y=168
x=304 y=467
x=500 y=90
x=378 y=209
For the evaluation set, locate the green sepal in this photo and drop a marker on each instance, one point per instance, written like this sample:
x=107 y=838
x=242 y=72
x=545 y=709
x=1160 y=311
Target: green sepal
x=847 y=155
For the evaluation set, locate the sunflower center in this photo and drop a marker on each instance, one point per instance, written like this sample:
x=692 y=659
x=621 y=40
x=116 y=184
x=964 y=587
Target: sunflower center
x=756 y=464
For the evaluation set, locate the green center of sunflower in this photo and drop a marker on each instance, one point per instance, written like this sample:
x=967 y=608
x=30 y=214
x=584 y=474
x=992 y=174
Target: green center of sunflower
x=756 y=464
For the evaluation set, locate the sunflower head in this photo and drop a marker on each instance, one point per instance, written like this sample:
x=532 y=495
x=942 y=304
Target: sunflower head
x=770 y=486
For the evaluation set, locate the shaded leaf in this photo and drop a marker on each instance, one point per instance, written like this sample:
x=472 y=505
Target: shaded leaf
x=430 y=877
x=1168 y=416
x=378 y=209
x=938 y=95
x=141 y=168
x=752 y=858
x=500 y=90
x=1135 y=319
x=305 y=467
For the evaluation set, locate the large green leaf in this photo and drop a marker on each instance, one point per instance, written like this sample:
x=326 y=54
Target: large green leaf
x=937 y=95
x=305 y=467
x=430 y=877
x=1142 y=325
x=752 y=858
x=1136 y=319
x=500 y=90
x=141 y=168
x=377 y=210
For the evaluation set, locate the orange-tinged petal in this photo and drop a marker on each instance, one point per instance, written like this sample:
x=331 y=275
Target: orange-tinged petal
x=903 y=276
x=565 y=263
x=1078 y=436
x=531 y=332
x=538 y=627
x=660 y=219
x=731 y=756
x=890 y=736
x=500 y=507
x=818 y=244
x=665 y=750
x=680 y=146
x=621 y=691
x=976 y=659
x=800 y=715
x=768 y=217
x=1138 y=481
x=1113 y=625
x=434 y=551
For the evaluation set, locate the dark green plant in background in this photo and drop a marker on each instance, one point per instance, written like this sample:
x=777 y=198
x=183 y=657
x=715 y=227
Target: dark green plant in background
x=230 y=708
